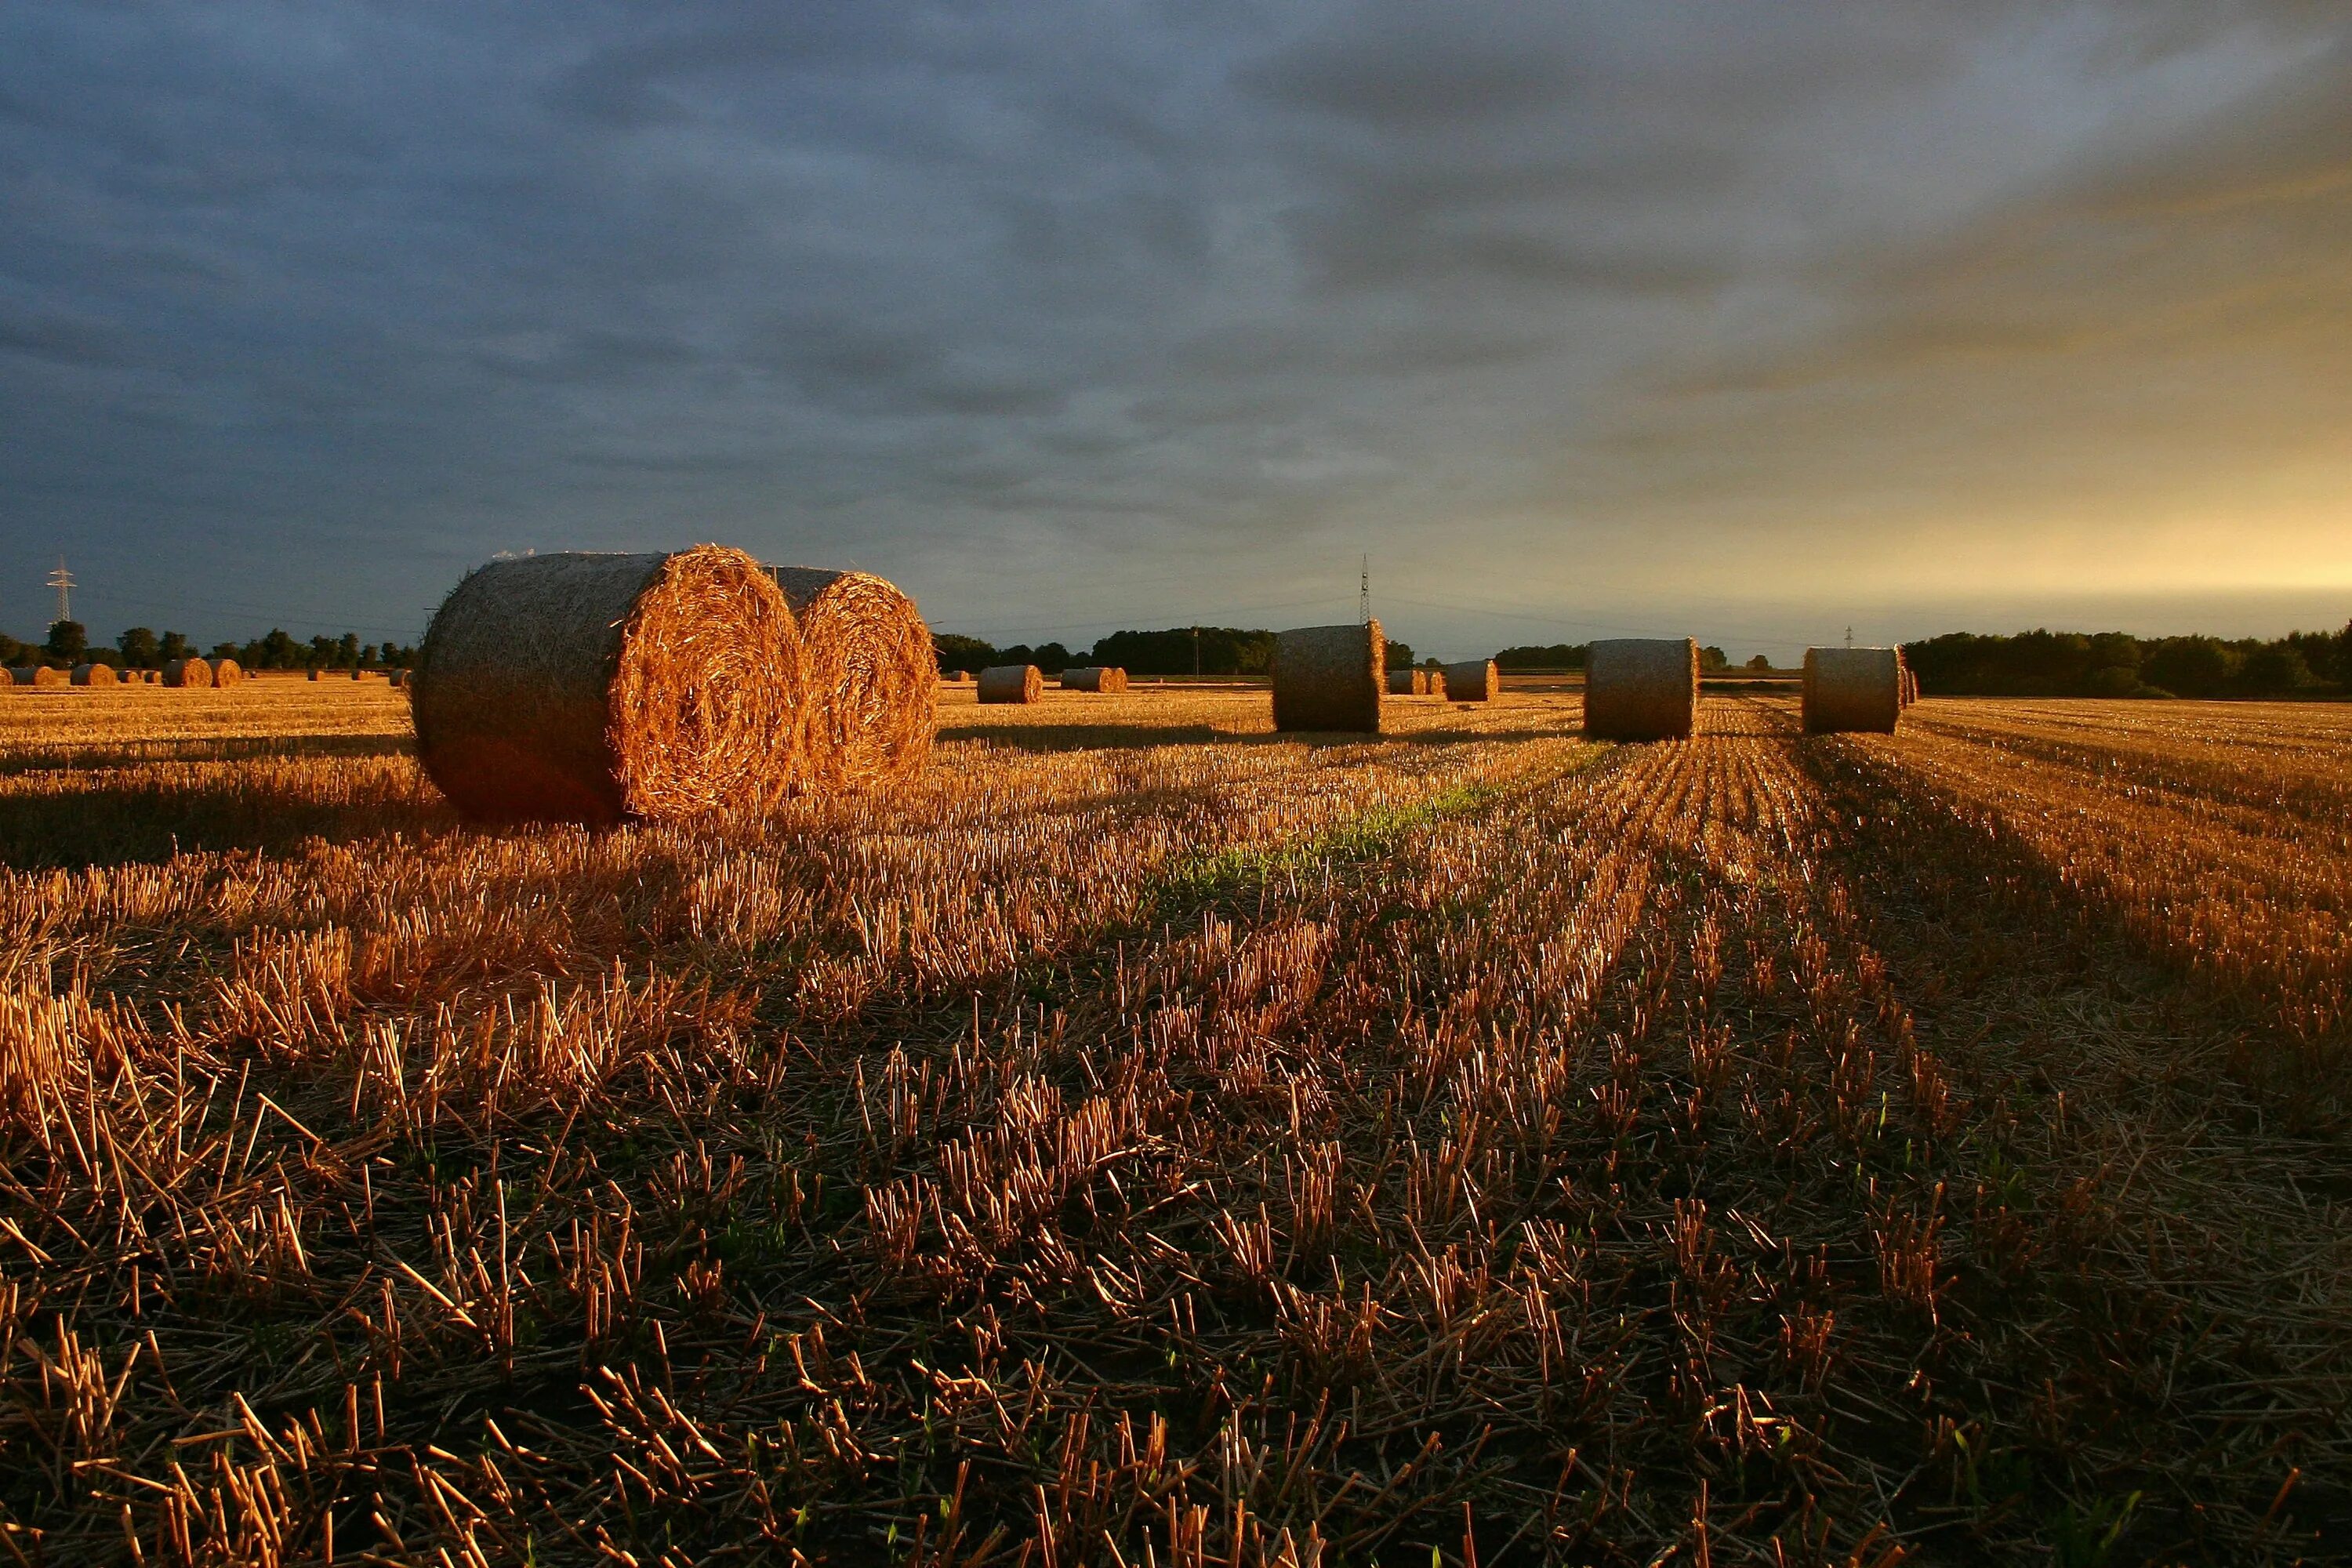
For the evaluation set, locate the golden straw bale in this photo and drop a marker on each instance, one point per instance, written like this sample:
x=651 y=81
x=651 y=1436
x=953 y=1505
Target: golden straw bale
x=226 y=671
x=94 y=675
x=603 y=687
x=869 y=664
x=1012 y=683
x=1853 y=689
x=1094 y=678
x=187 y=672
x=957 y=678
x=1474 y=681
x=1641 y=688
x=1329 y=677
x=1408 y=682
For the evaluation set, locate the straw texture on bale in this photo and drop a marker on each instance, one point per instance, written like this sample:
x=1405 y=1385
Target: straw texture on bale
x=1012 y=683
x=93 y=675
x=226 y=671
x=1853 y=691
x=867 y=656
x=1641 y=688
x=598 y=689
x=1329 y=677
x=187 y=672
x=1475 y=680
x=1094 y=678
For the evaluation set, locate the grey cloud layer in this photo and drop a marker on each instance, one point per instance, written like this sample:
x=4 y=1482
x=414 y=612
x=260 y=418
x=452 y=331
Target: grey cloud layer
x=1154 y=312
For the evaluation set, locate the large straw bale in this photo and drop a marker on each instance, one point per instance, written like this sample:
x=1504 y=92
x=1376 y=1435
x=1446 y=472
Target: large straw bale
x=1329 y=677
x=187 y=672
x=93 y=675
x=41 y=675
x=1641 y=688
x=1857 y=689
x=870 y=667
x=1012 y=683
x=598 y=689
x=1109 y=679
x=1473 y=681
x=226 y=671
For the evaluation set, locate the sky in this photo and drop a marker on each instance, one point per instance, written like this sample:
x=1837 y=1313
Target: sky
x=1753 y=321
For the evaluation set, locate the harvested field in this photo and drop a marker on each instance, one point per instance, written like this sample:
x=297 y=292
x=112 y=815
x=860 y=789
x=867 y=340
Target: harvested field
x=1152 y=1139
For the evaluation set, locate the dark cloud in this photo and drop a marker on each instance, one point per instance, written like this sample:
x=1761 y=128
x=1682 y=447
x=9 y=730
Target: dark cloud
x=1642 y=303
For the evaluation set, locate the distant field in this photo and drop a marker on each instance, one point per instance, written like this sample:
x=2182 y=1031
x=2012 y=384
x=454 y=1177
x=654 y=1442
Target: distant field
x=1150 y=1139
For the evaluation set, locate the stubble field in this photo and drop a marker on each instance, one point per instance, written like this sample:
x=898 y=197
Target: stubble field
x=1148 y=1140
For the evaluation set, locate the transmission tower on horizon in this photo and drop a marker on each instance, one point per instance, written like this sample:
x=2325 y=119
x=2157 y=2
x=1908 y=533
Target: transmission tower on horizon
x=63 y=582
x=1364 y=591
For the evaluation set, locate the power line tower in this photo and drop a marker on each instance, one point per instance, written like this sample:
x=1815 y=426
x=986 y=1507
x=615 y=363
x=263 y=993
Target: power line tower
x=1849 y=637
x=63 y=582
x=1364 y=592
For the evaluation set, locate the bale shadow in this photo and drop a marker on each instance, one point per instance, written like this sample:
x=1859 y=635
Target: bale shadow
x=128 y=823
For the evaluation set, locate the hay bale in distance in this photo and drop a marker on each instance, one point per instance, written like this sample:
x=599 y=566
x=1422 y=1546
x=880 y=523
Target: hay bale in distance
x=1408 y=682
x=1853 y=691
x=868 y=657
x=1331 y=678
x=187 y=672
x=39 y=675
x=1473 y=681
x=603 y=687
x=1641 y=688
x=226 y=671
x=93 y=675
x=1012 y=683
x=1108 y=679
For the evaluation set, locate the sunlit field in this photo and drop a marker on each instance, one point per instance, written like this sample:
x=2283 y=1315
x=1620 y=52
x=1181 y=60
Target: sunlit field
x=1151 y=1140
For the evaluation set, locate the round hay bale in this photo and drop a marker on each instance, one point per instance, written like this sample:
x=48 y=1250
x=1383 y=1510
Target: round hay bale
x=1329 y=677
x=956 y=678
x=187 y=672
x=1108 y=679
x=1641 y=688
x=867 y=656
x=1012 y=683
x=1853 y=691
x=94 y=675
x=1407 y=683
x=226 y=671
x=1475 y=680
x=600 y=688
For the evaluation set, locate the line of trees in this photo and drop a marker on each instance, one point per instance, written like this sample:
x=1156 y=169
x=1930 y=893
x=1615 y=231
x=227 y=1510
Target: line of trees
x=1179 y=650
x=1572 y=654
x=143 y=647
x=2116 y=664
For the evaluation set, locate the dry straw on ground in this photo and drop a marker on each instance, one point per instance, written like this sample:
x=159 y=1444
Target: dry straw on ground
x=1109 y=679
x=1329 y=677
x=1012 y=683
x=596 y=689
x=1853 y=689
x=1474 y=681
x=1641 y=688
x=867 y=656
x=93 y=675
x=187 y=672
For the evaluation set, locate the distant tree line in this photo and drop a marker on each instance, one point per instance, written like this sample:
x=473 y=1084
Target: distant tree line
x=2116 y=664
x=1179 y=650
x=1572 y=656
x=141 y=648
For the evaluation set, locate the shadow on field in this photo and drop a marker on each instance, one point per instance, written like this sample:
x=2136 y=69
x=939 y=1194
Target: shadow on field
x=128 y=823
x=205 y=749
x=1105 y=737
